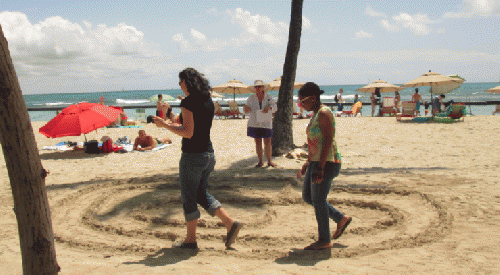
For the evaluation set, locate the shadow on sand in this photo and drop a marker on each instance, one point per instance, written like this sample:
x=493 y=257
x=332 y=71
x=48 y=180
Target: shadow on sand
x=166 y=256
x=308 y=257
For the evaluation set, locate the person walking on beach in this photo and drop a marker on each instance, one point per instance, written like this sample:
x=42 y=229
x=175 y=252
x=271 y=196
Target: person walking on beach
x=197 y=159
x=261 y=106
x=322 y=166
x=416 y=97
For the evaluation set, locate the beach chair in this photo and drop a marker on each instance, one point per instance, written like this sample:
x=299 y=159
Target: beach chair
x=234 y=110
x=388 y=106
x=454 y=111
x=408 y=109
x=219 y=112
x=497 y=109
x=140 y=114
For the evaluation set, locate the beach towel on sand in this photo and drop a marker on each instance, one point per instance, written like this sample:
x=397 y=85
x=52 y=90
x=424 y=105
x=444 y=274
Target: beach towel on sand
x=57 y=148
x=129 y=148
x=128 y=126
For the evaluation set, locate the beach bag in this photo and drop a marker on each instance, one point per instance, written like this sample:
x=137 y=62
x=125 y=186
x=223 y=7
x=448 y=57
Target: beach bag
x=91 y=147
x=107 y=146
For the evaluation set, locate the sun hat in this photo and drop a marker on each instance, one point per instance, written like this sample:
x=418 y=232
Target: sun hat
x=104 y=138
x=258 y=83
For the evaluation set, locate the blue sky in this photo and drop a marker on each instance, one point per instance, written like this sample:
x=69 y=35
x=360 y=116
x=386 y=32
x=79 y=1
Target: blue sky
x=92 y=46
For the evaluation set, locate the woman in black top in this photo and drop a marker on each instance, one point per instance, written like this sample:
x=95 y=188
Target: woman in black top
x=198 y=159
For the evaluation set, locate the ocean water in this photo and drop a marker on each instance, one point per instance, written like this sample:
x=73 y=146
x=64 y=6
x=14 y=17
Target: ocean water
x=468 y=92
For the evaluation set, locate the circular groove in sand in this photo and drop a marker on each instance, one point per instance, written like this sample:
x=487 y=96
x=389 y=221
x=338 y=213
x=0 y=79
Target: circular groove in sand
x=146 y=217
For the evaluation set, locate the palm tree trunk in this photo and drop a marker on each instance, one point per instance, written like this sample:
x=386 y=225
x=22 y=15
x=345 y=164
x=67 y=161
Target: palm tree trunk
x=282 y=140
x=27 y=176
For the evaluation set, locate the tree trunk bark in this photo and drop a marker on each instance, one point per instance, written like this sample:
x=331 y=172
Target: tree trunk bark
x=282 y=140
x=27 y=176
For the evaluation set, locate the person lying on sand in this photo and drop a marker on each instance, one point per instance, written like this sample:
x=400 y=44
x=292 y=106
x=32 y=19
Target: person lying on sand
x=146 y=142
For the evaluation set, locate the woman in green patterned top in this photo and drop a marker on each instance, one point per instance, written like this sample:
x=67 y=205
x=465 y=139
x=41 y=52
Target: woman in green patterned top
x=322 y=166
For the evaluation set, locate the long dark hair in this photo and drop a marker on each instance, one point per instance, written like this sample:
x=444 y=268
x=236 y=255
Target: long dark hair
x=196 y=82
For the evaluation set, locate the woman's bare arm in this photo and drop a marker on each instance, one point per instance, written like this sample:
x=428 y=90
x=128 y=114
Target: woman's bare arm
x=185 y=130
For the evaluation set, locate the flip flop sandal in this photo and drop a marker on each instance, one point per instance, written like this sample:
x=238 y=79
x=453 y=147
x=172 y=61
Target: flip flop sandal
x=342 y=229
x=233 y=233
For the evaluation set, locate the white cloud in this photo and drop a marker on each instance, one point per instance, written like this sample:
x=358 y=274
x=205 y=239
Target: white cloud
x=254 y=29
x=417 y=23
x=369 y=11
x=58 y=38
x=59 y=50
x=362 y=34
x=198 y=35
x=260 y=28
x=471 y=8
x=388 y=26
x=306 y=23
x=182 y=43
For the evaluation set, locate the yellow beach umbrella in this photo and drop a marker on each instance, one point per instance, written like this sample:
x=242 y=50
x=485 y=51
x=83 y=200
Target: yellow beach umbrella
x=215 y=94
x=494 y=90
x=383 y=86
x=433 y=79
x=232 y=87
x=276 y=84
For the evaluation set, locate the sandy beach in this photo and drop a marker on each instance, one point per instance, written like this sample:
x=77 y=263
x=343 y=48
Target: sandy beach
x=424 y=197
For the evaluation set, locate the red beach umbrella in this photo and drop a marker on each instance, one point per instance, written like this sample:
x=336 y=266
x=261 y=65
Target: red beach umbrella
x=78 y=119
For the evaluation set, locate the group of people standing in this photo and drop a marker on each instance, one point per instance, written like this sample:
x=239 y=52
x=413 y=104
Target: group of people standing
x=198 y=157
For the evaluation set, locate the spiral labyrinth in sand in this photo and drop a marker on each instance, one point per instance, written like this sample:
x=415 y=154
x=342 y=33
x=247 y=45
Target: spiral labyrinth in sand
x=144 y=217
